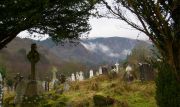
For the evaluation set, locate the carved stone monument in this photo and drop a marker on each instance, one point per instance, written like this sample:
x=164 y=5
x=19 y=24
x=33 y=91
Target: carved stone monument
x=32 y=90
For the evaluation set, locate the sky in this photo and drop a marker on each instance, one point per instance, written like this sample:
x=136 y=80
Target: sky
x=110 y=27
x=103 y=27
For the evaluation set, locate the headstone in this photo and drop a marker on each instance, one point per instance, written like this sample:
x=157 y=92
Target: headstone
x=97 y=73
x=66 y=86
x=54 y=78
x=146 y=72
x=77 y=76
x=32 y=85
x=91 y=73
x=100 y=70
x=33 y=57
x=128 y=76
x=104 y=70
x=20 y=89
x=81 y=76
x=73 y=77
x=117 y=67
x=128 y=69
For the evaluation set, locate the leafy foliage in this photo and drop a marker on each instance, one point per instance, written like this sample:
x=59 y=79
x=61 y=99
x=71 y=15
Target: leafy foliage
x=3 y=72
x=60 y=19
x=158 y=19
x=167 y=93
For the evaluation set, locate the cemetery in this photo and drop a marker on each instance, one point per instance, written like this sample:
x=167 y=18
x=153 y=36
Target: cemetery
x=89 y=53
x=111 y=81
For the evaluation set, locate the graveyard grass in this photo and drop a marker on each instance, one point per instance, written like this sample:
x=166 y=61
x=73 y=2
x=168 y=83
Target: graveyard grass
x=134 y=94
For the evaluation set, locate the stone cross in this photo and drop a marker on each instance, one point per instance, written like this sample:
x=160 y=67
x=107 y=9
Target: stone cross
x=91 y=73
x=117 y=67
x=81 y=77
x=73 y=77
x=100 y=70
x=33 y=57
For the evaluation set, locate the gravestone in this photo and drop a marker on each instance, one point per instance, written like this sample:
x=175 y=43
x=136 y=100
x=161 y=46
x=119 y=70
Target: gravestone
x=104 y=70
x=32 y=86
x=73 y=77
x=47 y=84
x=91 y=73
x=81 y=76
x=146 y=72
x=77 y=76
x=117 y=67
x=20 y=88
x=54 y=78
x=128 y=76
x=97 y=73
x=100 y=70
x=66 y=86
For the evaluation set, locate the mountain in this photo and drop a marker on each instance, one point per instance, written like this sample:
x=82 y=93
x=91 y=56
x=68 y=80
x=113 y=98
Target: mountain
x=93 y=51
x=14 y=59
x=67 y=57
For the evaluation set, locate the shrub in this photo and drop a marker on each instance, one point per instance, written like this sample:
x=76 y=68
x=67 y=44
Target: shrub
x=168 y=87
x=102 y=101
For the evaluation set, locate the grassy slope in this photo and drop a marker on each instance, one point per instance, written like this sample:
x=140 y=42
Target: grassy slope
x=135 y=94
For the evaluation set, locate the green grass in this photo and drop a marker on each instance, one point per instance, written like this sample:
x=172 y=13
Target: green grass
x=134 y=94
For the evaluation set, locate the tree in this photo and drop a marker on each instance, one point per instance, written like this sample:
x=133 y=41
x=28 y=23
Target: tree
x=159 y=20
x=140 y=54
x=60 y=19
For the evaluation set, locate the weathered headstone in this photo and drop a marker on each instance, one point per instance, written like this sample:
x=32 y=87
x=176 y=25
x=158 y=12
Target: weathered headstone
x=97 y=73
x=73 y=77
x=33 y=57
x=104 y=70
x=32 y=85
x=77 y=76
x=146 y=72
x=117 y=67
x=100 y=70
x=20 y=87
x=91 y=73
x=54 y=78
x=81 y=76
x=128 y=69
x=66 y=86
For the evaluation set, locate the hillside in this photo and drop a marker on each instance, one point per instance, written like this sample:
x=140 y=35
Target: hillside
x=68 y=58
x=93 y=51
x=81 y=94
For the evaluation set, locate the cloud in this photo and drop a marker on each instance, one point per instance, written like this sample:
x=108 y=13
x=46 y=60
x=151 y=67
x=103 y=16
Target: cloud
x=126 y=52
x=98 y=47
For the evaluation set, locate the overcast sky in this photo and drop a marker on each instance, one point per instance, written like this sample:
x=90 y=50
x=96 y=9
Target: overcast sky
x=104 y=27
x=110 y=27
